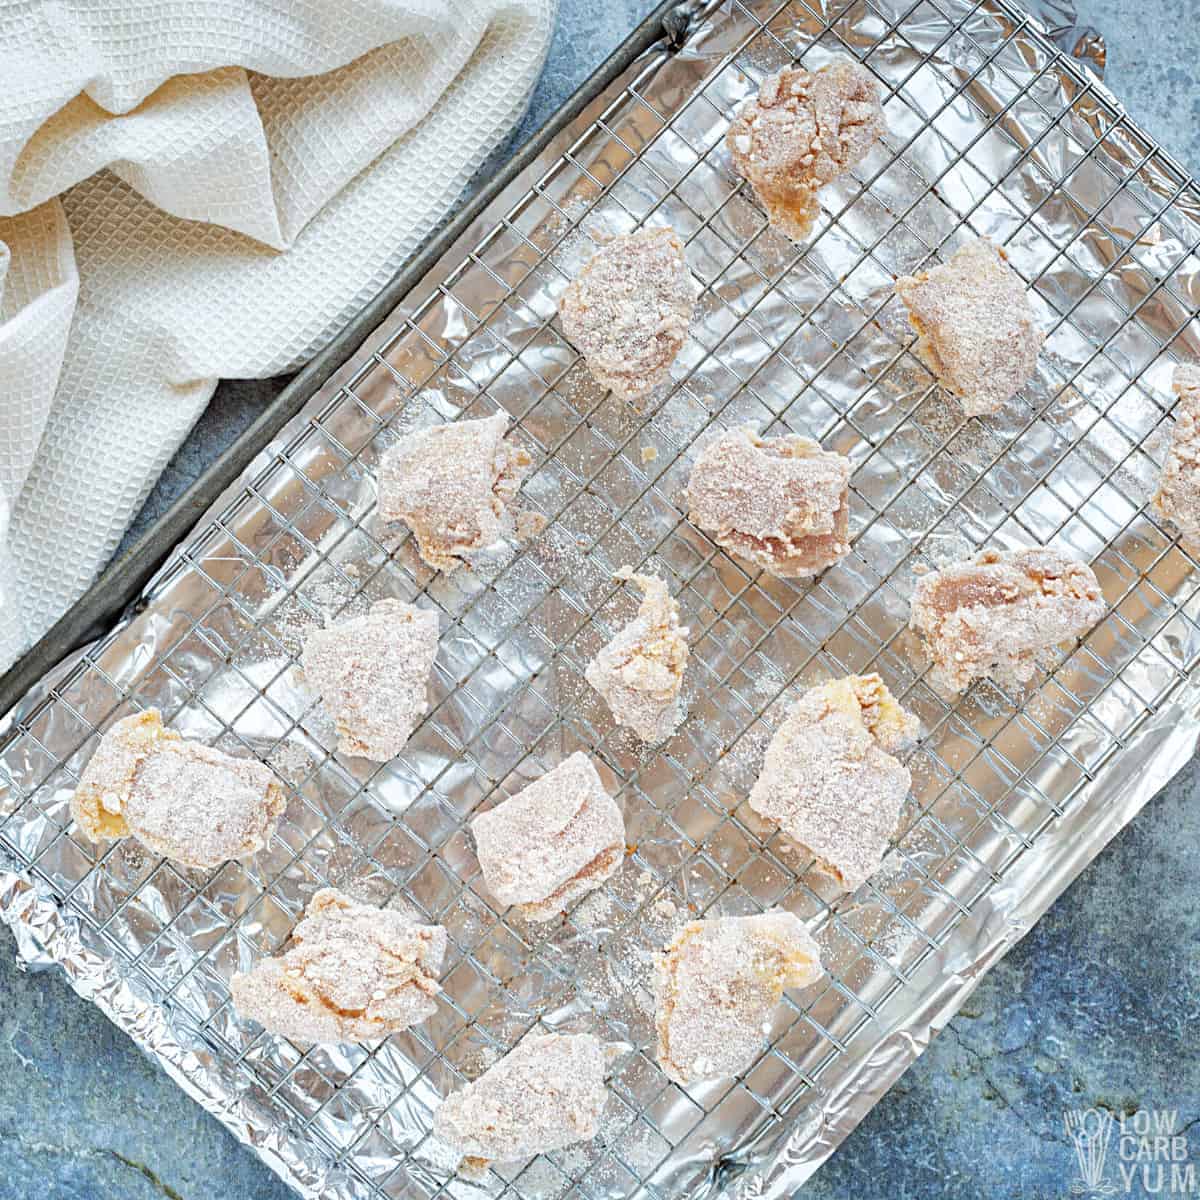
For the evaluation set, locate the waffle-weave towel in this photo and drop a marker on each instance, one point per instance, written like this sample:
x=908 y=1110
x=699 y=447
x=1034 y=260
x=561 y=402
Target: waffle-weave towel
x=197 y=189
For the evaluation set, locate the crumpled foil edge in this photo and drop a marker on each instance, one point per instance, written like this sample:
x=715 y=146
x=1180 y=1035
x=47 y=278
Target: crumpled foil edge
x=49 y=937
x=1060 y=24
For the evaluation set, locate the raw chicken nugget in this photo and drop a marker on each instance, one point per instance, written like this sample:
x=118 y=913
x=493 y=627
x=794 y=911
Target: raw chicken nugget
x=1178 y=496
x=640 y=671
x=629 y=310
x=451 y=485
x=829 y=779
x=997 y=613
x=976 y=326
x=354 y=973
x=782 y=503
x=180 y=799
x=717 y=985
x=546 y=1093
x=554 y=841
x=371 y=673
x=803 y=131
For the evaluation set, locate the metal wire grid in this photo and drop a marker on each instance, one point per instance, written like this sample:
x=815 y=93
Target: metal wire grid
x=795 y=340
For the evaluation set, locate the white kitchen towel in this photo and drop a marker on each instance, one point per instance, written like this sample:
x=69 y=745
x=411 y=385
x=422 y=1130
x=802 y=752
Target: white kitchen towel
x=197 y=189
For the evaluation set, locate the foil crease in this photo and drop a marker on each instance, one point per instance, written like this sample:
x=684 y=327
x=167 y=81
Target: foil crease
x=1013 y=793
x=1061 y=21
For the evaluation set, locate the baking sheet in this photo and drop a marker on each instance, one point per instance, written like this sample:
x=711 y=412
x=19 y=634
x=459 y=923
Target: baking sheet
x=991 y=133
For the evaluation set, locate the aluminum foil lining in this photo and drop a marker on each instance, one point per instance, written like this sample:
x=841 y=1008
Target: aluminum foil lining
x=993 y=132
x=1061 y=25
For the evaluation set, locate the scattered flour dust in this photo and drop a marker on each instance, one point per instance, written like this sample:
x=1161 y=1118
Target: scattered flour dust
x=325 y=593
x=542 y=1180
x=529 y=524
x=595 y=911
x=769 y=679
x=292 y=761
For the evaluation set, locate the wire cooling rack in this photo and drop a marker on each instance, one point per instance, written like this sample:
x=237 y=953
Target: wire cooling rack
x=991 y=133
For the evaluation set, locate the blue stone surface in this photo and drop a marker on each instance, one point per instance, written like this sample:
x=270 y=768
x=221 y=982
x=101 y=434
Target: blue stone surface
x=1098 y=1005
